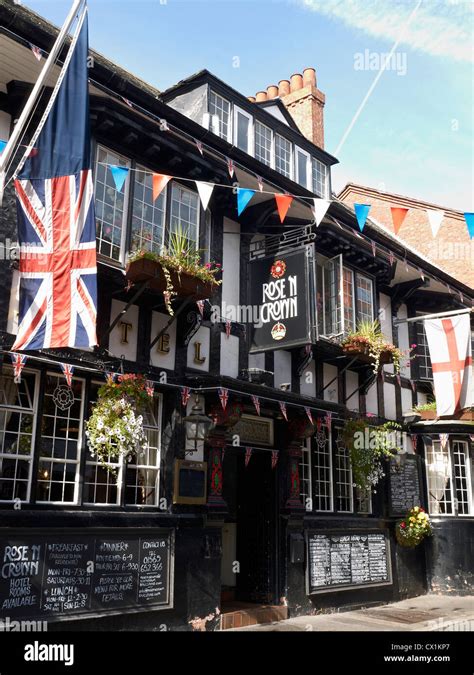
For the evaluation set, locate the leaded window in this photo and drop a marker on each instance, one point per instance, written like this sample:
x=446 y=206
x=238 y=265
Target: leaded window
x=110 y=203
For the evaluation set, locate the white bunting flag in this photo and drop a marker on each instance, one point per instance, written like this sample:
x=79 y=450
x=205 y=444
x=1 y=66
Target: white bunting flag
x=449 y=342
x=319 y=209
x=435 y=218
x=205 y=192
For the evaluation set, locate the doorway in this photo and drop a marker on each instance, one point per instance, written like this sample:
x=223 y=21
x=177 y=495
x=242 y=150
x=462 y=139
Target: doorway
x=257 y=529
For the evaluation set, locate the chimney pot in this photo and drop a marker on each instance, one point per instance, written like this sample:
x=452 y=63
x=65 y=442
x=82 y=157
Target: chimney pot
x=296 y=82
x=261 y=96
x=252 y=99
x=309 y=77
x=283 y=88
x=272 y=91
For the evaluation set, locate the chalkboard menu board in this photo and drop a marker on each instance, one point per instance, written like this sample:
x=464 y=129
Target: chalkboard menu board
x=405 y=486
x=50 y=575
x=337 y=561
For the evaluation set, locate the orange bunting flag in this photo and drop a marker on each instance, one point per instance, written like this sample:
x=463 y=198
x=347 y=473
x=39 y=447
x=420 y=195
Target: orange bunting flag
x=283 y=204
x=160 y=181
x=398 y=216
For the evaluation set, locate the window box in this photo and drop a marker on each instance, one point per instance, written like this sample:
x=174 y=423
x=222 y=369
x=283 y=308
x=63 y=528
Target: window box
x=361 y=349
x=184 y=284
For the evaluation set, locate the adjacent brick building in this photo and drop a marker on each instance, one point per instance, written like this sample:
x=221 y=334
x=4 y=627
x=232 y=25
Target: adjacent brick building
x=451 y=249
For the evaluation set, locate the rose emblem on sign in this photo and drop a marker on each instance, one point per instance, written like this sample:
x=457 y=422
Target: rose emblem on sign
x=278 y=331
x=278 y=269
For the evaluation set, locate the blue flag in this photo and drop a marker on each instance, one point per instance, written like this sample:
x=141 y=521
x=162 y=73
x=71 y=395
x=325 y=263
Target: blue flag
x=470 y=223
x=244 y=195
x=361 y=211
x=56 y=221
x=119 y=174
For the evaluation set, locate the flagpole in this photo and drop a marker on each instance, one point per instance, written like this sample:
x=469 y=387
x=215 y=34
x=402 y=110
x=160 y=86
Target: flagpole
x=439 y=315
x=22 y=120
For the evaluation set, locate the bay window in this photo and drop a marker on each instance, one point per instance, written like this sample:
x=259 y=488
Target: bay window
x=344 y=298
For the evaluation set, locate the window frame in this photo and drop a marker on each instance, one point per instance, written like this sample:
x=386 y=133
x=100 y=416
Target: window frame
x=168 y=215
x=272 y=143
x=144 y=169
x=34 y=413
x=315 y=162
x=229 y=136
x=290 y=161
x=250 y=129
x=429 y=448
x=127 y=189
x=309 y=175
x=358 y=276
x=80 y=445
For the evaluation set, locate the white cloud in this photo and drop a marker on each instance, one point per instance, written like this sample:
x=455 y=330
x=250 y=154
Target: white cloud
x=440 y=27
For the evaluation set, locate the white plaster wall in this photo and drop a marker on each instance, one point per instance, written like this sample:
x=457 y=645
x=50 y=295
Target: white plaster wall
x=390 y=404
x=331 y=392
x=308 y=380
x=352 y=383
x=231 y=273
x=406 y=400
x=257 y=361
x=282 y=364
x=158 y=359
x=116 y=347
x=371 y=402
x=203 y=335
x=404 y=340
x=229 y=355
x=421 y=398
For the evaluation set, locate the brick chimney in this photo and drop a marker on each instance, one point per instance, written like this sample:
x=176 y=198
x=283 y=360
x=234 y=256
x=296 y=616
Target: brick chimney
x=304 y=102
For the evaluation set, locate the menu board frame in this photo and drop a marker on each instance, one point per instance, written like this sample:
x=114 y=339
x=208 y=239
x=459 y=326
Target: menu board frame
x=20 y=535
x=415 y=459
x=331 y=588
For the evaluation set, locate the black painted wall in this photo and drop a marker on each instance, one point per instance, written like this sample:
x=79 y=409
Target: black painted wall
x=450 y=556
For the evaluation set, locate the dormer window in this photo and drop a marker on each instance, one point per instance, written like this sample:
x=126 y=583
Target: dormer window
x=283 y=155
x=221 y=107
x=320 y=179
x=303 y=167
x=263 y=143
x=243 y=134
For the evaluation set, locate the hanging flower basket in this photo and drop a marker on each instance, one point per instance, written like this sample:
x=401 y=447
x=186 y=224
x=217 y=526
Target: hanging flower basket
x=184 y=284
x=413 y=529
x=115 y=428
x=369 y=345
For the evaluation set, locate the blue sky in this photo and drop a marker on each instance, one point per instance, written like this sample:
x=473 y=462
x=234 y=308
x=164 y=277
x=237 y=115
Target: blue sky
x=413 y=136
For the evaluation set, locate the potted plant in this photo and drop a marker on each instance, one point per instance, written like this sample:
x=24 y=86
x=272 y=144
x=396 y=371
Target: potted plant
x=427 y=411
x=369 y=447
x=369 y=344
x=115 y=427
x=411 y=530
x=176 y=270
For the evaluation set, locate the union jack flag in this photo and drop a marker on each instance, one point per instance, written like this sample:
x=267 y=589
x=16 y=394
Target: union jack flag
x=185 y=394
x=36 y=51
x=56 y=221
x=309 y=414
x=223 y=397
x=248 y=455
x=283 y=410
x=150 y=388
x=68 y=371
x=18 y=361
x=256 y=402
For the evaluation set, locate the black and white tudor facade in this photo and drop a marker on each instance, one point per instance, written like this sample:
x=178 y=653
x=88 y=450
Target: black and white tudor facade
x=273 y=533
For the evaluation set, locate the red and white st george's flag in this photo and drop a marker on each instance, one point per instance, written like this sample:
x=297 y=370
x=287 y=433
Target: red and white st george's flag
x=449 y=342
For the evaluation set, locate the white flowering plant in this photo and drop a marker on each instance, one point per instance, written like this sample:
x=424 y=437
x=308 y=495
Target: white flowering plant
x=115 y=427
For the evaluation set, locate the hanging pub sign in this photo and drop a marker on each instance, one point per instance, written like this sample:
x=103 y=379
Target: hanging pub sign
x=281 y=291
